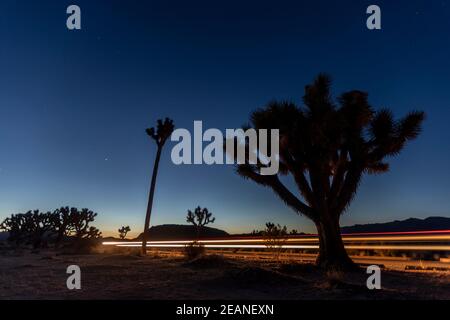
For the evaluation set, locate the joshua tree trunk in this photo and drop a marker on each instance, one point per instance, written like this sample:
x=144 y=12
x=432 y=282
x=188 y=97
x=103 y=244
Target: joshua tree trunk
x=332 y=253
x=150 y=201
x=198 y=232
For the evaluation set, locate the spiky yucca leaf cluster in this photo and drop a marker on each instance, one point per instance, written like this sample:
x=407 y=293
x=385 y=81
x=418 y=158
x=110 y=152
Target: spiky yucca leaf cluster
x=162 y=132
x=327 y=146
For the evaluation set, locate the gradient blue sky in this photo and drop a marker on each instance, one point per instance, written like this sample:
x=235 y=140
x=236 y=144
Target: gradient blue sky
x=74 y=105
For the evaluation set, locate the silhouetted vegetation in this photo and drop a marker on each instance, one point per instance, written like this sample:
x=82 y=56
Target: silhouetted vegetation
x=31 y=227
x=327 y=146
x=200 y=218
x=194 y=250
x=275 y=236
x=80 y=223
x=257 y=232
x=41 y=228
x=62 y=223
x=123 y=232
x=160 y=135
x=261 y=233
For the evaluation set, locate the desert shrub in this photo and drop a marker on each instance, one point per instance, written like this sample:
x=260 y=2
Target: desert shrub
x=194 y=250
x=80 y=223
x=62 y=223
x=275 y=237
x=123 y=232
x=14 y=225
x=256 y=232
x=32 y=227
x=39 y=228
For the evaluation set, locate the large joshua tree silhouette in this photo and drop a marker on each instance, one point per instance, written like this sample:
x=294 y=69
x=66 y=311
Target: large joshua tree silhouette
x=327 y=147
x=163 y=131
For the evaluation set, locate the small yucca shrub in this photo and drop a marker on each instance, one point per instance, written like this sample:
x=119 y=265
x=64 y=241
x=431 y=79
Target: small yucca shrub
x=194 y=250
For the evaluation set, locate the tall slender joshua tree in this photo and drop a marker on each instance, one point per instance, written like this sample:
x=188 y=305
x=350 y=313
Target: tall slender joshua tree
x=163 y=131
x=327 y=147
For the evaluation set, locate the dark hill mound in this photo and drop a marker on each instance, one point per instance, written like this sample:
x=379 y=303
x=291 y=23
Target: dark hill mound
x=182 y=232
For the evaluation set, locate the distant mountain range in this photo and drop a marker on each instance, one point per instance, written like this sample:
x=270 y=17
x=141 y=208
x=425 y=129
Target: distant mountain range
x=411 y=224
x=182 y=232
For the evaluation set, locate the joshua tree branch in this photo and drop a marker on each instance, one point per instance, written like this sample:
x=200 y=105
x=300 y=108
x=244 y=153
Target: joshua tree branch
x=318 y=187
x=338 y=178
x=300 y=179
x=272 y=181
x=304 y=187
x=349 y=187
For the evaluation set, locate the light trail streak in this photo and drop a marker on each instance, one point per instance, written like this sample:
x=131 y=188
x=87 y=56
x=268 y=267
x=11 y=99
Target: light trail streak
x=311 y=242
x=397 y=232
x=314 y=239
x=256 y=246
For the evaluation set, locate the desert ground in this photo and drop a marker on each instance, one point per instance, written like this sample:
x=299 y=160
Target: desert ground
x=126 y=275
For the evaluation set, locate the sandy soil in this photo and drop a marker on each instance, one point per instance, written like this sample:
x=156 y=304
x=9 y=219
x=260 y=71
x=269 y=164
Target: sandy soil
x=128 y=276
